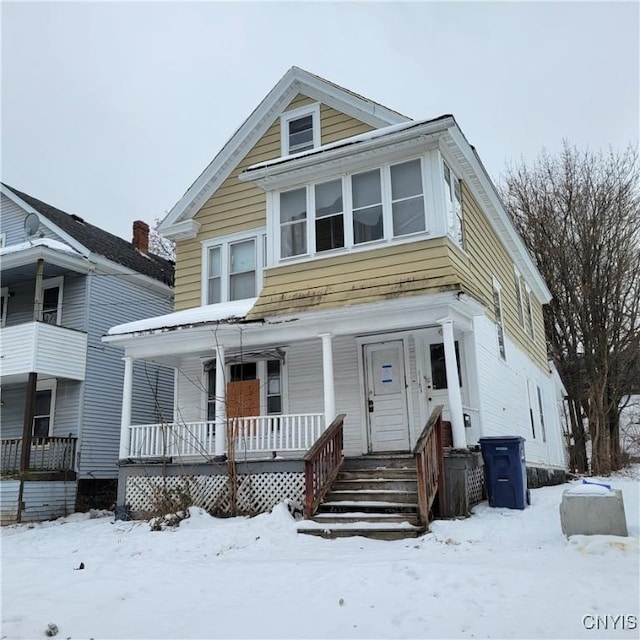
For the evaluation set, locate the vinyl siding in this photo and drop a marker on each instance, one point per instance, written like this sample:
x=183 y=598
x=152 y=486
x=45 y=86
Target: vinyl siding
x=113 y=300
x=504 y=399
x=416 y=268
x=488 y=259
x=12 y=219
x=43 y=500
x=238 y=206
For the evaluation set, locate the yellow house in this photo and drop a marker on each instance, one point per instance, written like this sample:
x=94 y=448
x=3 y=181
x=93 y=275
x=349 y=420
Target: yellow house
x=342 y=272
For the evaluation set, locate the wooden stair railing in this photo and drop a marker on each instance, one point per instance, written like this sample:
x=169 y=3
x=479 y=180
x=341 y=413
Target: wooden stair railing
x=321 y=465
x=430 y=464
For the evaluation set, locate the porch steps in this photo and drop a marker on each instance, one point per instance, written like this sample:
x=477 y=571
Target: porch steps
x=373 y=496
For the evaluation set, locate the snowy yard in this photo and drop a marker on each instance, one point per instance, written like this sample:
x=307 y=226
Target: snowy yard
x=499 y=574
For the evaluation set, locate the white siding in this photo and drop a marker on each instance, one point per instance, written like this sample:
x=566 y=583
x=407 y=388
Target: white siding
x=504 y=400
x=192 y=385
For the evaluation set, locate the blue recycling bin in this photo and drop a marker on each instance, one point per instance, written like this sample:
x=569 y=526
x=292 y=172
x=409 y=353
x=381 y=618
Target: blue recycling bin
x=505 y=472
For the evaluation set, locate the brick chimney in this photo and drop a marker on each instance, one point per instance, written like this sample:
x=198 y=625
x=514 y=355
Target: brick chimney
x=141 y=236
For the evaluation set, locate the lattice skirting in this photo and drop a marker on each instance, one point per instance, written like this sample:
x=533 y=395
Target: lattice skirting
x=475 y=485
x=256 y=493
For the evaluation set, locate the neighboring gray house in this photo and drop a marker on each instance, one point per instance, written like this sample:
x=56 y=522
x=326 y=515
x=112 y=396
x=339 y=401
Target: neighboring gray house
x=64 y=283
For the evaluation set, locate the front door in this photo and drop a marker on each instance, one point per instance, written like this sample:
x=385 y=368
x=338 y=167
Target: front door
x=386 y=391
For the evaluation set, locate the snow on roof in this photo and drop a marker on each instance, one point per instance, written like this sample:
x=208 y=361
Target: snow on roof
x=362 y=137
x=223 y=311
x=49 y=243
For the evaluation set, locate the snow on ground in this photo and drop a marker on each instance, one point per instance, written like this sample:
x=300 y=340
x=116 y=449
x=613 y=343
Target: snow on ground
x=499 y=574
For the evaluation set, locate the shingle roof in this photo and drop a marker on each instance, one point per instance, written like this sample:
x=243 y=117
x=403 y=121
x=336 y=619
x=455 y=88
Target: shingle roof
x=102 y=242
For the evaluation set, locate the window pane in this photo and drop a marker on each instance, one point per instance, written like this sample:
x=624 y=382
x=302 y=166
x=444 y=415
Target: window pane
x=243 y=256
x=213 y=293
x=243 y=371
x=330 y=233
x=328 y=198
x=438 y=365
x=43 y=403
x=273 y=367
x=408 y=216
x=366 y=189
x=293 y=239
x=214 y=262
x=367 y=224
x=242 y=286
x=41 y=427
x=274 y=404
x=293 y=205
x=406 y=180
x=301 y=134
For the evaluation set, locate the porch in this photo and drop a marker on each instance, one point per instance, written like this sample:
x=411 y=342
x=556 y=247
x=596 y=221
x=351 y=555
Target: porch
x=51 y=455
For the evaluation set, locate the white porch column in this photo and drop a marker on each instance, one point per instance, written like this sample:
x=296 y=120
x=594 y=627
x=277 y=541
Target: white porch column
x=327 y=377
x=127 y=396
x=221 y=403
x=453 y=385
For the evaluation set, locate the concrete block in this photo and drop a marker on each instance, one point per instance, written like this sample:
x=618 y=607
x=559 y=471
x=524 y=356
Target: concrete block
x=593 y=514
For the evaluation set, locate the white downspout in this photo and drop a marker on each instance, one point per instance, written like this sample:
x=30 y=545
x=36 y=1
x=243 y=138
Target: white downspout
x=453 y=385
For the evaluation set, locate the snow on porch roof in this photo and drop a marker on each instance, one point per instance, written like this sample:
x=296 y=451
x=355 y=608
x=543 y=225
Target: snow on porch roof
x=221 y=312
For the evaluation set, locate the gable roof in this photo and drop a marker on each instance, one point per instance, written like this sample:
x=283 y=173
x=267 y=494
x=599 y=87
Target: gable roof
x=101 y=242
x=293 y=82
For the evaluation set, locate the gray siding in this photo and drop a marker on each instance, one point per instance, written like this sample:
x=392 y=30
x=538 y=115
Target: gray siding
x=20 y=305
x=12 y=223
x=43 y=500
x=67 y=407
x=114 y=300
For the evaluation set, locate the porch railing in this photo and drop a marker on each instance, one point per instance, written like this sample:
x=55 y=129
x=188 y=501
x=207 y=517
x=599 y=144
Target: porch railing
x=47 y=454
x=321 y=465
x=280 y=433
x=429 y=463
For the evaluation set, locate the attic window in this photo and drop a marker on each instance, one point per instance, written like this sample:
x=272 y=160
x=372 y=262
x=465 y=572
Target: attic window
x=300 y=129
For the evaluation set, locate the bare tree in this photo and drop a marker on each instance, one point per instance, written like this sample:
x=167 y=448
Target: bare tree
x=160 y=245
x=579 y=214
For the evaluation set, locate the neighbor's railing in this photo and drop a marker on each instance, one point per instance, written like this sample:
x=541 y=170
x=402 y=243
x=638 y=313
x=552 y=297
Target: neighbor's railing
x=47 y=454
x=293 y=432
x=321 y=465
x=429 y=463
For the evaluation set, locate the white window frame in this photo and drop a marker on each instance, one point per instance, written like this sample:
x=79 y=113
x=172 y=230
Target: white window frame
x=47 y=385
x=295 y=114
x=51 y=283
x=517 y=283
x=528 y=313
x=347 y=202
x=4 y=294
x=225 y=243
x=499 y=320
x=450 y=212
x=541 y=420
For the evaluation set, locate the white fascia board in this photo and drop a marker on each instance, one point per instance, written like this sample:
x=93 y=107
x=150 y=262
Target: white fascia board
x=348 y=155
x=70 y=240
x=255 y=126
x=113 y=268
x=485 y=192
x=412 y=313
x=30 y=255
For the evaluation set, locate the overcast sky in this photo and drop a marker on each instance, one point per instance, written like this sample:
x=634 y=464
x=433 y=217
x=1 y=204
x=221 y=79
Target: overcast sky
x=111 y=110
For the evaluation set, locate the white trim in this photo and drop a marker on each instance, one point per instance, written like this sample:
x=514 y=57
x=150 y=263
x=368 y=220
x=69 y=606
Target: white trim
x=431 y=218
x=286 y=117
x=47 y=385
x=4 y=294
x=529 y=326
x=225 y=242
x=295 y=81
x=51 y=283
x=517 y=282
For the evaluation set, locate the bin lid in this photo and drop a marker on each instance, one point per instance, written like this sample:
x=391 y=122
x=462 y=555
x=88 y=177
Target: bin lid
x=495 y=439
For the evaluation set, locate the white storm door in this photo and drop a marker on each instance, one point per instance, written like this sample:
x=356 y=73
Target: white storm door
x=386 y=397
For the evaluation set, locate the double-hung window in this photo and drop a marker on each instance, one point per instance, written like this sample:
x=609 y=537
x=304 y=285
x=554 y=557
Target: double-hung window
x=232 y=268
x=293 y=222
x=497 y=309
x=407 y=199
x=300 y=129
x=453 y=204
x=52 y=300
x=366 y=191
x=517 y=278
x=329 y=209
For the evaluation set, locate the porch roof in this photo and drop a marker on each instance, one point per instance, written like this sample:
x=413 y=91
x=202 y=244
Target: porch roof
x=228 y=312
